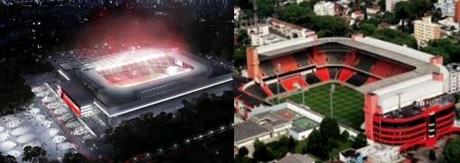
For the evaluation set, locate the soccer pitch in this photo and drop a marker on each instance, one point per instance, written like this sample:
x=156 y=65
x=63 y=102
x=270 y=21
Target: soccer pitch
x=347 y=103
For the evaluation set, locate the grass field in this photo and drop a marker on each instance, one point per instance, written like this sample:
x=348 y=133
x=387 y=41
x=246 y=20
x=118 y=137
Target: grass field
x=347 y=103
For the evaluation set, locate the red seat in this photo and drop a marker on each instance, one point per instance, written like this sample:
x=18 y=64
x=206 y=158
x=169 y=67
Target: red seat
x=350 y=59
x=371 y=80
x=286 y=63
x=293 y=83
x=345 y=74
x=323 y=74
x=319 y=57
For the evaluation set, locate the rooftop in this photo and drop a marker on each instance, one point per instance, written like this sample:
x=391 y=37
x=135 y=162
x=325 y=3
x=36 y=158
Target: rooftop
x=247 y=130
x=303 y=124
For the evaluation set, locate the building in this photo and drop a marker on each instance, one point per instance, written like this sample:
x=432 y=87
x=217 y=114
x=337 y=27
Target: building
x=454 y=77
x=269 y=123
x=323 y=8
x=457 y=12
x=425 y=30
x=265 y=127
x=236 y=13
x=119 y=87
x=449 y=26
x=297 y=158
x=275 y=30
x=447 y=7
x=407 y=101
x=371 y=153
x=390 y=4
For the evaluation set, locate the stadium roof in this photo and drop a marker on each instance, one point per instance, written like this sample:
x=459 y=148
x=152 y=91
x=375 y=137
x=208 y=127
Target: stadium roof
x=86 y=85
x=406 y=55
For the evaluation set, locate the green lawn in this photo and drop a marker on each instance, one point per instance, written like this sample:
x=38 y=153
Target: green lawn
x=347 y=106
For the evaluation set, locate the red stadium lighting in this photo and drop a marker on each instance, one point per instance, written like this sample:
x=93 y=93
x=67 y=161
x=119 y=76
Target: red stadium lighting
x=139 y=66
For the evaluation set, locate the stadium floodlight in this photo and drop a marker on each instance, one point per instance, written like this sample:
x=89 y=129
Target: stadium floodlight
x=127 y=58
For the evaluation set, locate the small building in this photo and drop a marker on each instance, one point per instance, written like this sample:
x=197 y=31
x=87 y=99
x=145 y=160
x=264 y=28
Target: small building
x=457 y=12
x=390 y=4
x=454 y=77
x=302 y=127
x=375 y=153
x=236 y=13
x=275 y=30
x=447 y=7
x=324 y=8
x=425 y=30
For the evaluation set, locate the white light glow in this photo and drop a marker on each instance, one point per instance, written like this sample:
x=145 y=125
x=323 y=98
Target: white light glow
x=127 y=58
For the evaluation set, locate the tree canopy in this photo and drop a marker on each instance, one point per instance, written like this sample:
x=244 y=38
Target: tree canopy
x=447 y=48
x=141 y=135
x=325 y=26
x=265 y=8
x=14 y=93
x=74 y=158
x=34 y=154
x=274 y=150
x=328 y=132
x=452 y=151
x=359 y=141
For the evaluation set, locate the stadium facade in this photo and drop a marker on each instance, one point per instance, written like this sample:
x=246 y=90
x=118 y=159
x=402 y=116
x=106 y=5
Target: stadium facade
x=122 y=86
x=407 y=100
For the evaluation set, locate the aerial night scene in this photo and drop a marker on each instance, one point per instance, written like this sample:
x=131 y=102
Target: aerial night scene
x=116 y=81
x=371 y=81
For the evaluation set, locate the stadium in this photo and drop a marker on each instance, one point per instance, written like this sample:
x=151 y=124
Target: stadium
x=124 y=85
x=397 y=95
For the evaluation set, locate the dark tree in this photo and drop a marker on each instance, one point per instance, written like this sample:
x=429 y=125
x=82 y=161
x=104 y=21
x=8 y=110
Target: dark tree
x=74 y=158
x=316 y=145
x=243 y=151
x=345 y=136
x=261 y=152
x=265 y=8
x=452 y=151
x=432 y=155
x=242 y=160
x=382 y=5
x=34 y=154
x=297 y=14
x=448 y=48
x=200 y=115
x=395 y=36
x=359 y=141
x=7 y=159
x=14 y=93
x=329 y=128
x=403 y=11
